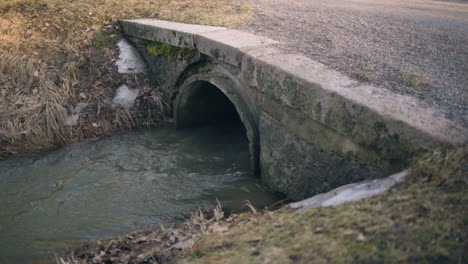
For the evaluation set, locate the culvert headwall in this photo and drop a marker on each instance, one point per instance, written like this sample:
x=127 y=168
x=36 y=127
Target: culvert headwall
x=310 y=128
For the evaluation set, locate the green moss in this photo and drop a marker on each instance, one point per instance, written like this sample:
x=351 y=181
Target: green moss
x=187 y=53
x=168 y=51
x=197 y=68
x=393 y=148
x=159 y=49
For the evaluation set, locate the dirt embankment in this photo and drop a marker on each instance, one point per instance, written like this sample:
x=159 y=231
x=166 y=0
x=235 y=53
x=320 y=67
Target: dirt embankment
x=56 y=55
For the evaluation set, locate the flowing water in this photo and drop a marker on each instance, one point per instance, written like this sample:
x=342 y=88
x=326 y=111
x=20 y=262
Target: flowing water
x=103 y=188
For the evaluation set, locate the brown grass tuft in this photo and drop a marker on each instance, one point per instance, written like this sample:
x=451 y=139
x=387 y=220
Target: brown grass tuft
x=161 y=245
x=31 y=105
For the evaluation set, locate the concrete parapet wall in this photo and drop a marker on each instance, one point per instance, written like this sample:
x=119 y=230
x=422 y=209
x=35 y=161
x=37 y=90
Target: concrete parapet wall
x=310 y=128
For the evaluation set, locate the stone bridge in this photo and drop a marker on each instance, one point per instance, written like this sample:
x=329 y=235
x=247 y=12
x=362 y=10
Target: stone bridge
x=310 y=129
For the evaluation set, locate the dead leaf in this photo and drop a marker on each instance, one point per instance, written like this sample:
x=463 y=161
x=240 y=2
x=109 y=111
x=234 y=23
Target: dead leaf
x=361 y=237
x=348 y=232
x=217 y=228
x=278 y=223
x=184 y=244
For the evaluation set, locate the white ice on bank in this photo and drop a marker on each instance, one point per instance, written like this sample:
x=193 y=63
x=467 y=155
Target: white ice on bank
x=125 y=97
x=129 y=60
x=350 y=192
x=72 y=118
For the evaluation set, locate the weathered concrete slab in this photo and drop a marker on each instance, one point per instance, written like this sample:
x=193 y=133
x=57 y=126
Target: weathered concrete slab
x=311 y=128
x=230 y=45
x=173 y=33
x=406 y=114
x=295 y=166
x=380 y=121
x=224 y=44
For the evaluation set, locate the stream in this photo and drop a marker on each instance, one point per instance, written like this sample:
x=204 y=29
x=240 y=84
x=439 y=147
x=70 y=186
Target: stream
x=103 y=188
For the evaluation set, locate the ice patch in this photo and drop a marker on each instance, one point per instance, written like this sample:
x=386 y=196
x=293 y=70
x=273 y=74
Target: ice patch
x=125 y=97
x=129 y=60
x=72 y=118
x=351 y=192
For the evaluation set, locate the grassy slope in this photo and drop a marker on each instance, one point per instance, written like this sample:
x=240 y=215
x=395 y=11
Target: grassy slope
x=57 y=53
x=425 y=220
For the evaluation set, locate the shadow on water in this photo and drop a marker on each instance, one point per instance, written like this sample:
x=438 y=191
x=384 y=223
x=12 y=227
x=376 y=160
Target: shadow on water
x=103 y=188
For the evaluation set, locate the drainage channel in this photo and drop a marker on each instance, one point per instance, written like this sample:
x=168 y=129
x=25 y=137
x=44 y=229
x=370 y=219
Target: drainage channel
x=104 y=188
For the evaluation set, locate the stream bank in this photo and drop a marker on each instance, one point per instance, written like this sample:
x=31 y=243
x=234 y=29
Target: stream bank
x=420 y=221
x=103 y=188
x=58 y=55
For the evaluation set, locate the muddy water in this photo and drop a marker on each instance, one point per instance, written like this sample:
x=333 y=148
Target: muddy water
x=104 y=188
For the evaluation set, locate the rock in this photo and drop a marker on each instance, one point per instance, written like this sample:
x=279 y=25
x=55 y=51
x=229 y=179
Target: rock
x=350 y=192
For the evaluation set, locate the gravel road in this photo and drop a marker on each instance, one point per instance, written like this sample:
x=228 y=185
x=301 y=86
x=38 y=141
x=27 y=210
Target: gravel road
x=415 y=47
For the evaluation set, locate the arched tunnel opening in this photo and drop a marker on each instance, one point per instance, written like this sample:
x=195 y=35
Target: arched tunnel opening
x=205 y=104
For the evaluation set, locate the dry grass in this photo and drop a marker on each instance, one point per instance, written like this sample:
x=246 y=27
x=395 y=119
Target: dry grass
x=422 y=221
x=414 y=79
x=57 y=53
x=160 y=245
x=32 y=106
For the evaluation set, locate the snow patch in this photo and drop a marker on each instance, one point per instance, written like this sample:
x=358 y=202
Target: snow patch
x=350 y=192
x=129 y=60
x=125 y=97
x=72 y=118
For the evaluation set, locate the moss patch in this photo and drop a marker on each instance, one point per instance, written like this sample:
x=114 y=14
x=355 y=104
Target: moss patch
x=414 y=79
x=168 y=51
